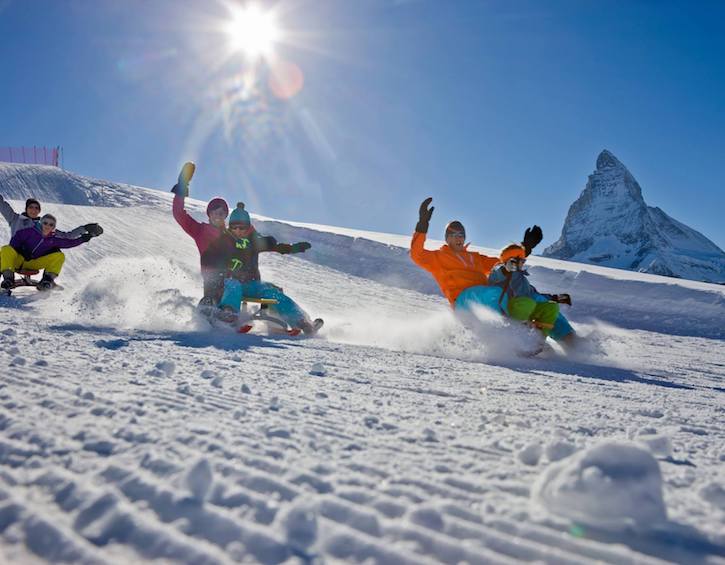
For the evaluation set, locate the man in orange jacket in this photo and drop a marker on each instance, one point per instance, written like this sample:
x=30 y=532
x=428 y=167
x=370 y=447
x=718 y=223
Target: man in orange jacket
x=462 y=275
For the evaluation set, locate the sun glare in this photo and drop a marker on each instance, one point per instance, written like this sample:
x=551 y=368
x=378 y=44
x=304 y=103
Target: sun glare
x=253 y=31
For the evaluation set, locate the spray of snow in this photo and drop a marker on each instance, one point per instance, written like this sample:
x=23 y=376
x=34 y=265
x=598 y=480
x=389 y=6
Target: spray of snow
x=150 y=293
x=482 y=336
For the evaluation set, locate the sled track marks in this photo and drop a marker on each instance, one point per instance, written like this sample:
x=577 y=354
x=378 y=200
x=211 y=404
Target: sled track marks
x=202 y=455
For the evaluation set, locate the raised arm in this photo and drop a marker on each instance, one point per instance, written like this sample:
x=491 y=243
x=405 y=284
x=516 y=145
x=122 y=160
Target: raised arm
x=7 y=211
x=65 y=243
x=182 y=217
x=418 y=253
x=73 y=234
x=263 y=243
x=93 y=229
x=532 y=238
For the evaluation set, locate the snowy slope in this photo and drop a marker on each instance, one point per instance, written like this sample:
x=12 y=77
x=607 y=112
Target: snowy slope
x=610 y=224
x=130 y=431
x=51 y=184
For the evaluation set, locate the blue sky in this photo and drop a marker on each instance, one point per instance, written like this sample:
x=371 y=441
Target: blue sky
x=496 y=109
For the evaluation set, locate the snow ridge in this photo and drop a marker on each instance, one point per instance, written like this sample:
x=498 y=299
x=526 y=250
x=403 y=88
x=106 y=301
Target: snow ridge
x=51 y=184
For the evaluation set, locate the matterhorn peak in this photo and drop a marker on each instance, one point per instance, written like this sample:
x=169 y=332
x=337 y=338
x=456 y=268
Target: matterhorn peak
x=610 y=224
x=607 y=160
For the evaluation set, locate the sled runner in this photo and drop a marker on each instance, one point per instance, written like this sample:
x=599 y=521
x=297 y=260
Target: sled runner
x=26 y=279
x=253 y=310
x=250 y=314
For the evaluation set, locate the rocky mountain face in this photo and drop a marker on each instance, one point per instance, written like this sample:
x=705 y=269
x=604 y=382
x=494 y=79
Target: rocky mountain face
x=610 y=224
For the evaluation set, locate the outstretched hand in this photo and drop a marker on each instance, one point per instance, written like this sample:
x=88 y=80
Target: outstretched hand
x=532 y=238
x=181 y=188
x=424 y=215
x=300 y=247
x=94 y=230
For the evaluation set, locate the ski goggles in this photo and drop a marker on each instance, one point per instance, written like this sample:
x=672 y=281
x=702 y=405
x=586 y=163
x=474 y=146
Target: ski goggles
x=515 y=264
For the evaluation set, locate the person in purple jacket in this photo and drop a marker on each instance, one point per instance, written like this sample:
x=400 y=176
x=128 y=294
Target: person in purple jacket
x=203 y=234
x=37 y=248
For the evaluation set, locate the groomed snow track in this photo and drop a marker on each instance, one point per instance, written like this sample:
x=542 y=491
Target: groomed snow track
x=130 y=432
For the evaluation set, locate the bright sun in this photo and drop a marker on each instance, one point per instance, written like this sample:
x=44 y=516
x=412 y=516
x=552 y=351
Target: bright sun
x=253 y=31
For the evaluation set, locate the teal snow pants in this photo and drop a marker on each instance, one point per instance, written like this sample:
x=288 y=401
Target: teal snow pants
x=489 y=296
x=286 y=308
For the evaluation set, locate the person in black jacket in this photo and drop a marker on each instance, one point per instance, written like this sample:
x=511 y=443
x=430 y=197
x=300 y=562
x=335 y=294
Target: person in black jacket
x=236 y=253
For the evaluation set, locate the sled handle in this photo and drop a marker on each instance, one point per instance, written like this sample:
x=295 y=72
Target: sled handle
x=260 y=301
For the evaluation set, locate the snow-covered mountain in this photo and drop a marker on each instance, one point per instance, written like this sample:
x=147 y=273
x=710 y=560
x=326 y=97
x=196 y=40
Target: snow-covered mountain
x=131 y=431
x=610 y=224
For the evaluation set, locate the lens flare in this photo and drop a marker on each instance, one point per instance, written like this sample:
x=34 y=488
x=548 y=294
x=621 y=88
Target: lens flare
x=285 y=79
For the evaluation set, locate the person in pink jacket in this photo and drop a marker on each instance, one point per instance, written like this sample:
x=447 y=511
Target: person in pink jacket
x=203 y=234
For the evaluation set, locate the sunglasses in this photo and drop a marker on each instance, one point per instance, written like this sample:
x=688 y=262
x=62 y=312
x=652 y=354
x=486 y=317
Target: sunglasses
x=457 y=234
x=51 y=224
x=242 y=227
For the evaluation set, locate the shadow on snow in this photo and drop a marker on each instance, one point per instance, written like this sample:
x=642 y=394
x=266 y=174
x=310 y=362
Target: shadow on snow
x=223 y=340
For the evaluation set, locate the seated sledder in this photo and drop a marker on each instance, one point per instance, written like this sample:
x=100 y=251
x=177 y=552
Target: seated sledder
x=237 y=250
x=203 y=233
x=31 y=216
x=462 y=275
x=521 y=301
x=37 y=248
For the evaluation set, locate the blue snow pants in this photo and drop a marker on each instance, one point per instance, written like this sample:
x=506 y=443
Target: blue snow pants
x=489 y=296
x=286 y=308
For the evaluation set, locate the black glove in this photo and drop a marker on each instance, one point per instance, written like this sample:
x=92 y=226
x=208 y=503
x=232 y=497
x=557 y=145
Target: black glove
x=93 y=229
x=85 y=237
x=300 y=247
x=532 y=238
x=182 y=190
x=561 y=298
x=424 y=215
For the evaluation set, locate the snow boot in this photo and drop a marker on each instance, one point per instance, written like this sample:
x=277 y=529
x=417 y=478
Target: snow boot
x=311 y=328
x=206 y=302
x=47 y=282
x=8 y=280
x=227 y=314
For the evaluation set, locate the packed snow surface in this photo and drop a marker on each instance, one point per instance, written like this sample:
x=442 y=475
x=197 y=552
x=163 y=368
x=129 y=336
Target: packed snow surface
x=131 y=431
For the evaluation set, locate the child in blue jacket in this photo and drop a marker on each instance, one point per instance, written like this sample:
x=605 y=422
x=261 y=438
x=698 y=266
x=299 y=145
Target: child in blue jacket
x=525 y=303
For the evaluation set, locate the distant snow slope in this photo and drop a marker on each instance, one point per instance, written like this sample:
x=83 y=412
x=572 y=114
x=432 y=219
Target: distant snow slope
x=610 y=224
x=131 y=431
x=51 y=184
